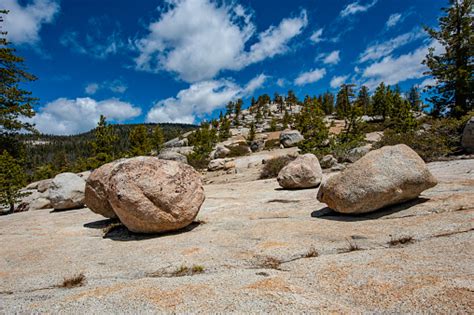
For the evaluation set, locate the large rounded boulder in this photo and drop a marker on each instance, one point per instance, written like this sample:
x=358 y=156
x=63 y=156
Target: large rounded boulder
x=150 y=195
x=96 y=191
x=303 y=172
x=66 y=191
x=384 y=177
x=290 y=138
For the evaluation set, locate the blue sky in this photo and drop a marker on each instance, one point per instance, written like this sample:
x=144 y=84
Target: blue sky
x=183 y=60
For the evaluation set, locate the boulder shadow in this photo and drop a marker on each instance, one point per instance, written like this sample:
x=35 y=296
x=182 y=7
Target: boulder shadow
x=121 y=233
x=53 y=211
x=327 y=213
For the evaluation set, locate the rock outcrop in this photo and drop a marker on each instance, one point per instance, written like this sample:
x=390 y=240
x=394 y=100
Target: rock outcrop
x=383 y=177
x=468 y=136
x=150 y=195
x=290 y=138
x=173 y=156
x=66 y=191
x=303 y=172
x=328 y=161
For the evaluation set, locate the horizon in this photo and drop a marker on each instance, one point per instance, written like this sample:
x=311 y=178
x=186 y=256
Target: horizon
x=162 y=62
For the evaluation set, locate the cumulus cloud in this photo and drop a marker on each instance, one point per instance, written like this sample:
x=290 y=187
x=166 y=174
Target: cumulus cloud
x=115 y=86
x=95 y=42
x=316 y=37
x=201 y=98
x=310 y=76
x=380 y=50
x=356 y=7
x=337 y=81
x=332 y=58
x=23 y=23
x=393 y=70
x=196 y=39
x=71 y=116
x=393 y=20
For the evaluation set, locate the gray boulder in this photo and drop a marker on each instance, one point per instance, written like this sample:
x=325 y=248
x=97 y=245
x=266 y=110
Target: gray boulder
x=173 y=156
x=328 y=161
x=43 y=185
x=220 y=152
x=303 y=172
x=217 y=164
x=384 y=177
x=355 y=154
x=290 y=138
x=468 y=136
x=67 y=191
x=176 y=142
x=257 y=145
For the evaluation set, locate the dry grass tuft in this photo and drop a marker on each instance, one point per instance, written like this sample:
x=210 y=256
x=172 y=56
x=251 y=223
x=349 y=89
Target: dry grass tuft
x=187 y=271
x=111 y=227
x=270 y=263
x=312 y=252
x=402 y=240
x=352 y=245
x=74 y=281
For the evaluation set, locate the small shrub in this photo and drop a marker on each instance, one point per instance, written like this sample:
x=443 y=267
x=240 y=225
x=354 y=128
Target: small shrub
x=400 y=240
x=270 y=263
x=273 y=166
x=187 y=271
x=352 y=245
x=311 y=253
x=272 y=144
x=75 y=281
x=240 y=149
x=198 y=161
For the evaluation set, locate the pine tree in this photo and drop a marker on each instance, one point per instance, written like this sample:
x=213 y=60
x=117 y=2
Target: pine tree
x=310 y=123
x=140 y=143
x=157 y=139
x=343 y=100
x=251 y=135
x=413 y=97
x=203 y=141
x=403 y=119
x=224 y=129
x=103 y=145
x=328 y=103
x=12 y=179
x=381 y=102
x=453 y=68
x=15 y=102
x=363 y=100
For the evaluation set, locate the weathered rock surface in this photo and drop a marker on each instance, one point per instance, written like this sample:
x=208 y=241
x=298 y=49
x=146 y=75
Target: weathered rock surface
x=263 y=250
x=96 y=191
x=219 y=164
x=174 y=143
x=66 y=191
x=173 y=156
x=150 y=195
x=257 y=145
x=35 y=200
x=303 y=172
x=43 y=185
x=328 y=161
x=221 y=152
x=468 y=136
x=355 y=154
x=384 y=177
x=290 y=138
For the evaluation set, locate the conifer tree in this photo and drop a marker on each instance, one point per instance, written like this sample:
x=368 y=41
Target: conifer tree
x=251 y=135
x=413 y=97
x=224 y=129
x=343 y=100
x=103 y=145
x=453 y=67
x=403 y=119
x=310 y=123
x=328 y=103
x=140 y=143
x=157 y=139
x=381 y=102
x=363 y=100
x=12 y=179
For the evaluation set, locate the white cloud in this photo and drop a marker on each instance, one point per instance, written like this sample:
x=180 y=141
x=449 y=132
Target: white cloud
x=115 y=86
x=356 y=7
x=336 y=81
x=95 y=42
x=393 y=70
x=71 y=116
x=393 y=20
x=23 y=23
x=316 y=37
x=281 y=82
x=310 y=76
x=380 y=50
x=196 y=39
x=332 y=58
x=201 y=98
x=91 y=88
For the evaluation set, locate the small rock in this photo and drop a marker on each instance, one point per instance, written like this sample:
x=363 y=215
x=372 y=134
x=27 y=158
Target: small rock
x=384 y=177
x=257 y=145
x=218 y=164
x=67 y=191
x=303 y=172
x=338 y=167
x=328 y=161
x=355 y=154
x=220 y=152
x=290 y=138
x=173 y=156
x=468 y=136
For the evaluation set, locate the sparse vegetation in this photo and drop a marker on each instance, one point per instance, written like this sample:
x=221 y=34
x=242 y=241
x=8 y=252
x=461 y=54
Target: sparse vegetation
x=268 y=262
x=352 y=245
x=111 y=227
x=312 y=252
x=73 y=282
x=240 y=149
x=273 y=166
x=401 y=240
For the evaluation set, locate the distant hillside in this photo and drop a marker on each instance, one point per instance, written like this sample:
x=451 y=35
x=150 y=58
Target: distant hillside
x=42 y=149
